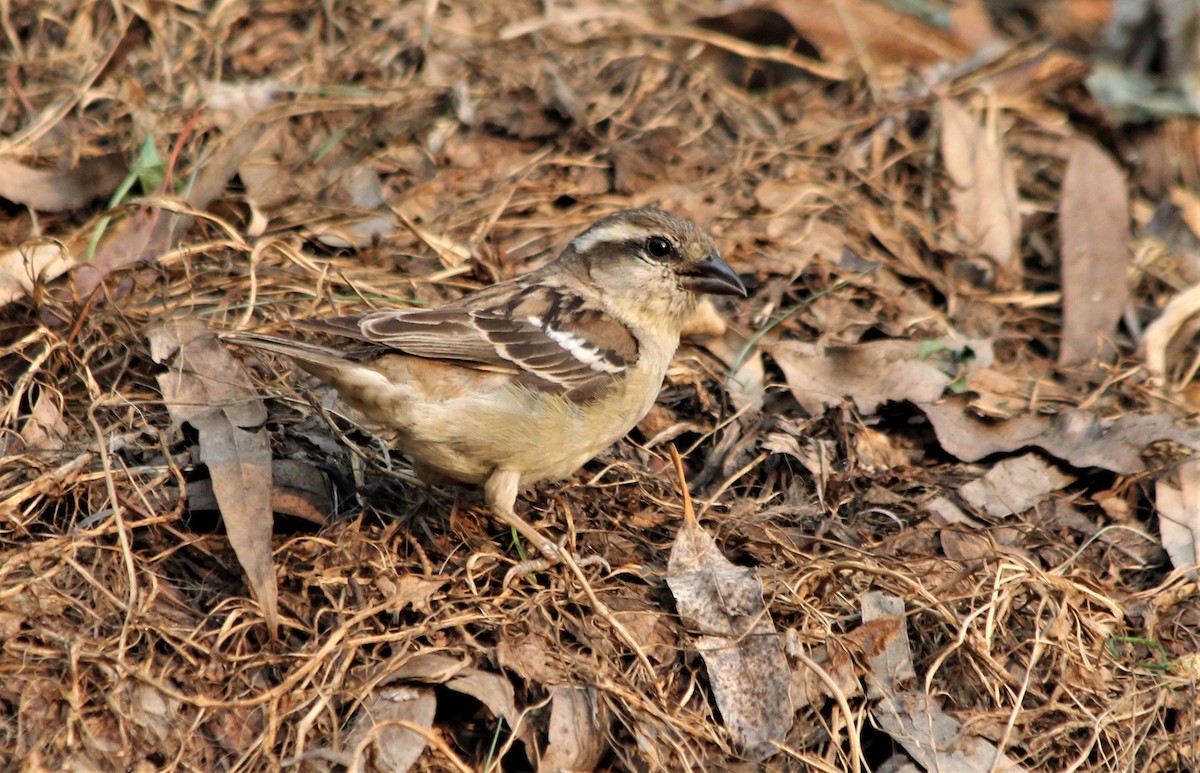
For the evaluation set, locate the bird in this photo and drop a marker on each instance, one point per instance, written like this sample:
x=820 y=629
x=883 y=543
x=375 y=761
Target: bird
x=525 y=380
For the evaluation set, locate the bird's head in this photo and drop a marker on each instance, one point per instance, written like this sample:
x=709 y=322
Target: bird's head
x=653 y=260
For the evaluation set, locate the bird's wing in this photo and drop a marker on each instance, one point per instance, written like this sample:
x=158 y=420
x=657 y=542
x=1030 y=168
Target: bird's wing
x=549 y=339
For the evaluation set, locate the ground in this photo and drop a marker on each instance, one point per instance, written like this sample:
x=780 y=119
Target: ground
x=940 y=459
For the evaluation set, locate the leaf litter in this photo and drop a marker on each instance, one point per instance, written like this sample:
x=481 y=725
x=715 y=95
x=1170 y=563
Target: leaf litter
x=944 y=453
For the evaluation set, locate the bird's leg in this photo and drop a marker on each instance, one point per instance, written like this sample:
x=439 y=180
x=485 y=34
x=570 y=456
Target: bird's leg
x=501 y=494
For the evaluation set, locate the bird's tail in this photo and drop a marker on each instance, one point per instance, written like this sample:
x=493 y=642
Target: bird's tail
x=322 y=361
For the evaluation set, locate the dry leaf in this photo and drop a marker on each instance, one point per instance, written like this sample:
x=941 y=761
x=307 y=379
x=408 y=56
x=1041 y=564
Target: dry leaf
x=705 y=322
x=935 y=739
x=744 y=657
x=1179 y=516
x=1096 y=256
x=965 y=546
x=846 y=30
x=985 y=188
x=492 y=690
x=44 y=428
x=359 y=184
x=807 y=688
x=747 y=386
x=393 y=749
x=883 y=639
x=21 y=267
x=871 y=374
x=150 y=231
x=578 y=729
x=205 y=387
x=297 y=489
x=529 y=656
x=58 y=190
x=1160 y=335
x=1077 y=437
x=1014 y=485
x=877 y=451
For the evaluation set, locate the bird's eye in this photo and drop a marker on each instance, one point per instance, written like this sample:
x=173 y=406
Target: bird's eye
x=658 y=247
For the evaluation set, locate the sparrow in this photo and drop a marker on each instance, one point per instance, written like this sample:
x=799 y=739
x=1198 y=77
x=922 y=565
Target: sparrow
x=526 y=380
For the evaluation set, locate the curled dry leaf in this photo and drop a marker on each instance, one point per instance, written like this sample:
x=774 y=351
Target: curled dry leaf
x=741 y=650
x=1161 y=333
x=1179 y=516
x=22 y=267
x=848 y=30
x=359 y=184
x=495 y=692
x=747 y=385
x=705 y=322
x=205 y=387
x=44 y=427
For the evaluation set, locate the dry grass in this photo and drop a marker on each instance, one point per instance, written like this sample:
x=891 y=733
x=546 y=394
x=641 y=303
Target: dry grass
x=128 y=637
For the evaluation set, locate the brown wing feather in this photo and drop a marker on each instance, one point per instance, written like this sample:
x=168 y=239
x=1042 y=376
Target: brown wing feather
x=553 y=341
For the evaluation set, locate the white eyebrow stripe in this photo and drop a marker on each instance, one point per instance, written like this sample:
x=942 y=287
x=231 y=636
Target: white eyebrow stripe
x=577 y=347
x=614 y=232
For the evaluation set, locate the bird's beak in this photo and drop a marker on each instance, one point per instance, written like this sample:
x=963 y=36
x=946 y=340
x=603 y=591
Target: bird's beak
x=713 y=275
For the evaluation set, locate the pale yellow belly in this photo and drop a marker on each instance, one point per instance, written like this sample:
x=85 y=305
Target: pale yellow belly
x=464 y=425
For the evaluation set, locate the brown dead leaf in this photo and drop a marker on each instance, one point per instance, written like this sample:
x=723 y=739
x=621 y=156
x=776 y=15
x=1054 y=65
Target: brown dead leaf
x=372 y=220
x=998 y=395
x=936 y=740
x=58 y=190
x=153 y=711
x=578 y=729
x=965 y=546
x=44 y=427
x=1159 y=342
x=297 y=489
x=847 y=30
x=530 y=656
x=807 y=688
x=1077 y=437
x=22 y=267
x=747 y=386
x=205 y=387
x=493 y=691
x=870 y=374
x=705 y=322
x=877 y=451
x=641 y=163
x=429 y=667
x=883 y=641
x=1014 y=485
x=644 y=618
x=744 y=657
x=150 y=231
x=393 y=749
x=1096 y=255
x=985 y=188
x=410 y=590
